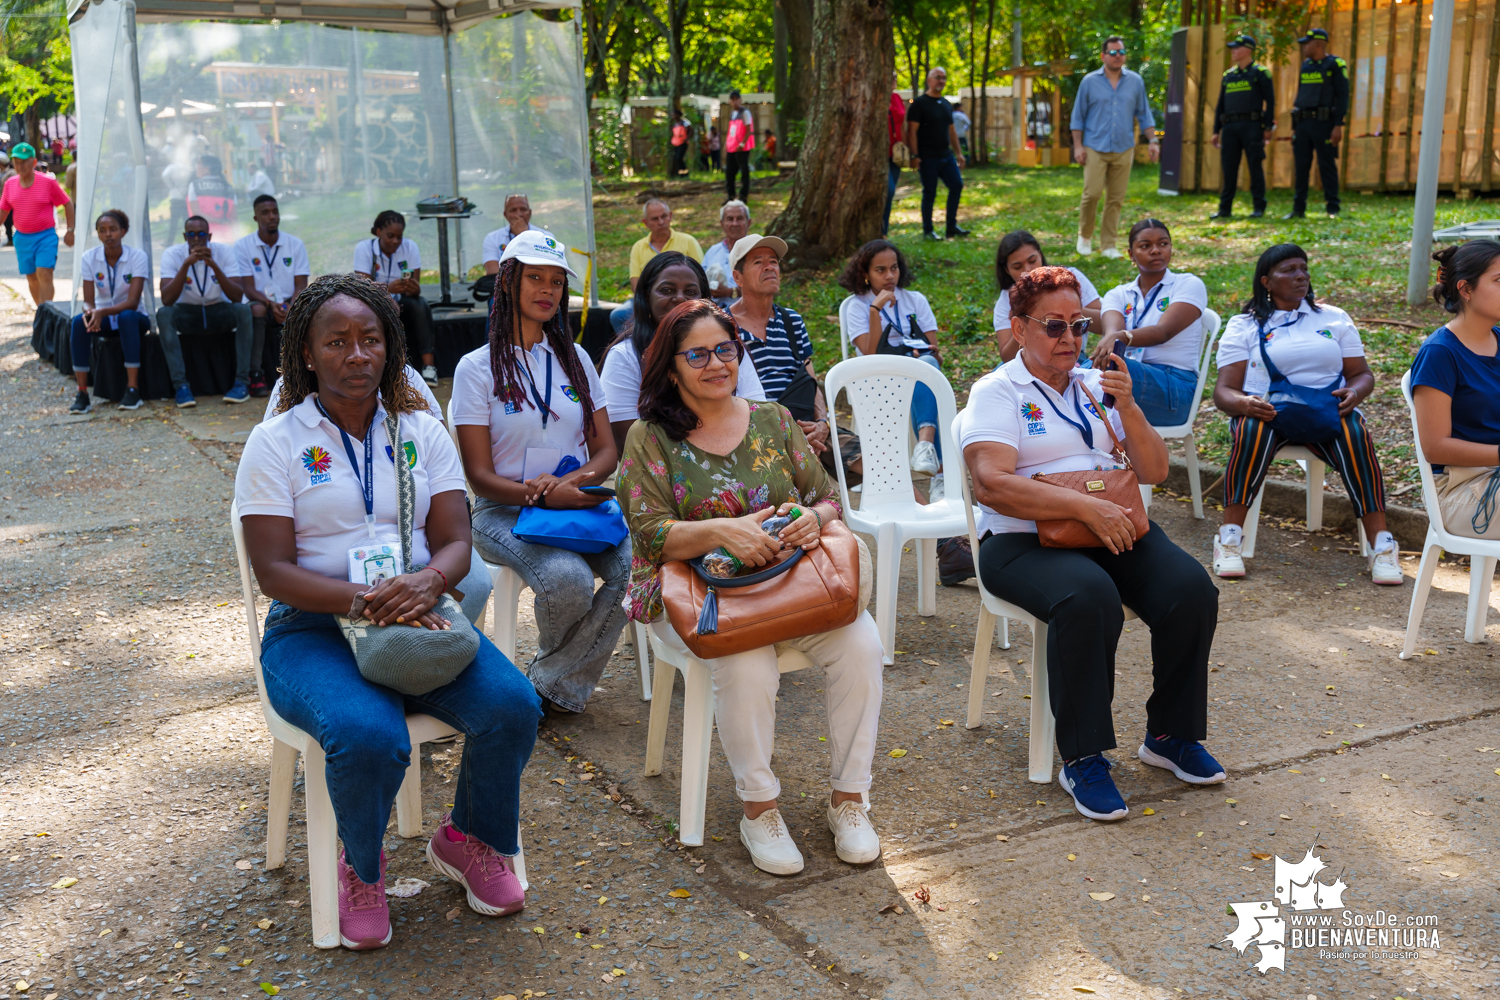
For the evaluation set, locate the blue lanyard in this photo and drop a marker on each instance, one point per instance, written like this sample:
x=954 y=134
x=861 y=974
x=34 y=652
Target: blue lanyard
x=202 y=286
x=1082 y=425
x=375 y=252
x=112 y=271
x=1141 y=317
x=270 y=259
x=544 y=404
x=367 y=482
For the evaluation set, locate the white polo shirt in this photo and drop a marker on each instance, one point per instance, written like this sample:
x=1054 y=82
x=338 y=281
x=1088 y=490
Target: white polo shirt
x=1011 y=406
x=1087 y=293
x=413 y=377
x=294 y=465
x=382 y=268
x=719 y=254
x=1139 y=309
x=201 y=286
x=906 y=305
x=112 y=282
x=276 y=265
x=515 y=427
x=1307 y=347
x=496 y=242
x=622 y=382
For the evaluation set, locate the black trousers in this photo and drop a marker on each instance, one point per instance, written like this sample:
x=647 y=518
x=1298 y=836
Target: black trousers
x=737 y=163
x=1078 y=593
x=416 y=317
x=1247 y=138
x=679 y=161
x=1310 y=138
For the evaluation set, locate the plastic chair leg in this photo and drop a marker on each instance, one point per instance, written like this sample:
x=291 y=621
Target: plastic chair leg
x=697 y=736
x=409 y=797
x=1043 y=725
x=1252 y=524
x=642 y=659
x=518 y=863
x=1145 y=496
x=1004 y=632
x=887 y=576
x=1195 y=485
x=1315 y=474
x=1481 y=578
x=279 y=802
x=926 y=576
x=506 y=594
x=322 y=850
x=1419 y=593
x=661 y=708
x=984 y=635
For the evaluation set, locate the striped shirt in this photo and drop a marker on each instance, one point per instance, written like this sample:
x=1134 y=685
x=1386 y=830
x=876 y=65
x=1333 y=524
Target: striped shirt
x=782 y=354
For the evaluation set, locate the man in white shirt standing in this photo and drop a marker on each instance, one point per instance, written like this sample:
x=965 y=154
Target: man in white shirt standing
x=277 y=262
x=518 y=221
x=734 y=223
x=199 y=294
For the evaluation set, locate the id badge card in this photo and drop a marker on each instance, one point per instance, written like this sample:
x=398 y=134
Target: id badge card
x=375 y=560
x=540 y=462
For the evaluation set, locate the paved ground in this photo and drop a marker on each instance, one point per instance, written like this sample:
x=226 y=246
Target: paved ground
x=133 y=759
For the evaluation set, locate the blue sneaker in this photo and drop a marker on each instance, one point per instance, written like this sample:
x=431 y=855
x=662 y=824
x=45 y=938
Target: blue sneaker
x=185 y=397
x=1185 y=758
x=1094 y=793
x=239 y=394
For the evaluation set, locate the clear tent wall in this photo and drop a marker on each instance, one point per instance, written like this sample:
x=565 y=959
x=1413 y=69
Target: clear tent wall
x=339 y=121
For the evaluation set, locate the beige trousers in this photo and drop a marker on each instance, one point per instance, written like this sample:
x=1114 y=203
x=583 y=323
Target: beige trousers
x=1107 y=174
x=1461 y=491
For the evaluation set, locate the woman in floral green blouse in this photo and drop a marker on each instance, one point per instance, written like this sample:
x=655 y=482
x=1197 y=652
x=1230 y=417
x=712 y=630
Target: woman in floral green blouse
x=702 y=469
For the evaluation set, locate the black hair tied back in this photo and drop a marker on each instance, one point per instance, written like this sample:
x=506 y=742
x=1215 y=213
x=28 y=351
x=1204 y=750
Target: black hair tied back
x=1465 y=262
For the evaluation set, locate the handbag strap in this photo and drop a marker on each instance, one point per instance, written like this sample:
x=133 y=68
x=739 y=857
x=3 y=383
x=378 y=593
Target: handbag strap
x=1119 y=445
x=749 y=579
x=1261 y=331
x=406 y=489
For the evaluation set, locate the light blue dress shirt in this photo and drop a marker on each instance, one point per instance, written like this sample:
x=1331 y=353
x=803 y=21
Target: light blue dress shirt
x=1106 y=115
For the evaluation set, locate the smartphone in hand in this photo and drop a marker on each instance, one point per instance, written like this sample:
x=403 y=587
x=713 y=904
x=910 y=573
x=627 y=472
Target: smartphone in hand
x=1116 y=351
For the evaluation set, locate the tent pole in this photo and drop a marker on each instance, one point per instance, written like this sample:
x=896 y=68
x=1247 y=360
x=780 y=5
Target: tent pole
x=1424 y=208
x=591 y=293
x=452 y=134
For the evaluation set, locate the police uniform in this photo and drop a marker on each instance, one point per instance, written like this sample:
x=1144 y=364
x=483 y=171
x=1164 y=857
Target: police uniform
x=1322 y=100
x=1245 y=113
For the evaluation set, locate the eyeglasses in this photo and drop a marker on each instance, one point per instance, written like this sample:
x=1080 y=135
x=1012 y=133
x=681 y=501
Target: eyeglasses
x=190 y=235
x=1056 y=328
x=726 y=351
x=1114 y=52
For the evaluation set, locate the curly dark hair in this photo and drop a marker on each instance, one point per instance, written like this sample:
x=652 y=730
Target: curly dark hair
x=1009 y=244
x=1259 y=303
x=1038 y=282
x=661 y=400
x=856 y=276
x=121 y=219
x=298 y=380
x=505 y=366
x=1464 y=262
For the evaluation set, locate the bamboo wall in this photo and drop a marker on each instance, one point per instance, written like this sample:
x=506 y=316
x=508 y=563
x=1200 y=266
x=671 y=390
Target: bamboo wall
x=1385 y=46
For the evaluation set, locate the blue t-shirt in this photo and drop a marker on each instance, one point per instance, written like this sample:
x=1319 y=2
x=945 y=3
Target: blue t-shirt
x=1472 y=380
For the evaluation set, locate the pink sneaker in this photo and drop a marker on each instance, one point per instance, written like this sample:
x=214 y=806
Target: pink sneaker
x=364 y=914
x=493 y=887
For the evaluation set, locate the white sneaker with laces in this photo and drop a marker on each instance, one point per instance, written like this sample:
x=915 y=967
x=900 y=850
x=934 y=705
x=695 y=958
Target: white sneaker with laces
x=770 y=843
x=854 y=838
x=1228 y=562
x=430 y=375
x=1084 y=247
x=924 y=458
x=1110 y=252
x=1385 y=567
x=935 y=488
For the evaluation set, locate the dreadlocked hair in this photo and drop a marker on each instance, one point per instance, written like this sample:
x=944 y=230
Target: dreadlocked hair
x=505 y=363
x=299 y=381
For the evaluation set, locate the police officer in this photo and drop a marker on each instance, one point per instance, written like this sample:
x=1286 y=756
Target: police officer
x=1243 y=122
x=1318 y=121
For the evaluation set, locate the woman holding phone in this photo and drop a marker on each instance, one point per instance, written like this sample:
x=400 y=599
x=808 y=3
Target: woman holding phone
x=114 y=276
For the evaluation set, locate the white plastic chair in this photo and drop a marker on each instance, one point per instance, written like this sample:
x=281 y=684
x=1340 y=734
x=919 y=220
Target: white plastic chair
x=880 y=389
x=1315 y=469
x=850 y=302
x=322 y=827
x=1043 y=733
x=505 y=594
x=1210 y=324
x=1482 y=553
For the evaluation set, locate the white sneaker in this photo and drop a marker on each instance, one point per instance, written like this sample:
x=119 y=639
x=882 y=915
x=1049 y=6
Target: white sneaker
x=1084 y=247
x=1110 y=252
x=1227 y=559
x=429 y=375
x=854 y=838
x=770 y=844
x=935 y=488
x=1385 y=567
x=924 y=458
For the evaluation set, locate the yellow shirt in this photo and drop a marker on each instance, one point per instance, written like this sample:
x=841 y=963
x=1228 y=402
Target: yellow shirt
x=644 y=251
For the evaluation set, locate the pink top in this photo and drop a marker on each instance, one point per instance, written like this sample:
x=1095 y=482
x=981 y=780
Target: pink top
x=34 y=206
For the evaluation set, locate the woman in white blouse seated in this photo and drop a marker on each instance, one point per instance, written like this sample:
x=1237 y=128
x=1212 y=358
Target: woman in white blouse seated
x=1310 y=344
x=1031 y=415
x=523 y=405
x=114 y=276
x=1019 y=253
x=1159 y=318
x=301 y=491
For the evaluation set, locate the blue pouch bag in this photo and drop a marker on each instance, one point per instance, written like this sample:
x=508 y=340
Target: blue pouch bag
x=1304 y=414
x=587 y=530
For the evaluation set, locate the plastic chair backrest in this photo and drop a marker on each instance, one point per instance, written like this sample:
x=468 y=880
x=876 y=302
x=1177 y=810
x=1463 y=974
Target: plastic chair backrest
x=247 y=594
x=1212 y=324
x=1429 y=484
x=844 y=346
x=957 y=468
x=879 y=387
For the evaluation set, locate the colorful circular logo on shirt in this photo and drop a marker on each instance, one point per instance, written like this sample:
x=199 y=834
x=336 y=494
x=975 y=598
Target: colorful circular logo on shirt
x=571 y=393
x=1162 y=305
x=316 y=460
x=1031 y=411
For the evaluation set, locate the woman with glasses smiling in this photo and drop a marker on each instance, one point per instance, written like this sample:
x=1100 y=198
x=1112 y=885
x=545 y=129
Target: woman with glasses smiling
x=703 y=469
x=1037 y=414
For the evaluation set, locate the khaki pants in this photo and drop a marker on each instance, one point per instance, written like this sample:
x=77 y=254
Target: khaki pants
x=1107 y=174
x=1461 y=495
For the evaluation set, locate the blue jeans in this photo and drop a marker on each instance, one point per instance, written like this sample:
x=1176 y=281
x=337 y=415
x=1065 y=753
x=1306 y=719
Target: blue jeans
x=924 y=406
x=890 y=196
x=132 y=325
x=945 y=170
x=313 y=683
x=1167 y=396
x=174 y=320
x=619 y=317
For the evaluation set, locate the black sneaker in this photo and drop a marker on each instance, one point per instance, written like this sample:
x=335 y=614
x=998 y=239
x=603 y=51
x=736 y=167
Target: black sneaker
x=132 y=400
x=258 y=387
x=81 y=402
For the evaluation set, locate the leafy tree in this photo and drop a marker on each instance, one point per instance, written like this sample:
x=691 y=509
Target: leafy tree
x=36 y=62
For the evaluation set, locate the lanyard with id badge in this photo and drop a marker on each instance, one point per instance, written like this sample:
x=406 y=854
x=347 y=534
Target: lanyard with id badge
x=379 y=556
x=1137 y=353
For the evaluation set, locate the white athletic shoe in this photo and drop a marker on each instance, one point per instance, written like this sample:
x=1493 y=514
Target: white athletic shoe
x=924 y=458
x=935 y=488
x=1227 y=559
x=1385 y=567
x=1110 y=252
x=430 y=375
x=1084 y=247
x=854 y=838
x=770 y=843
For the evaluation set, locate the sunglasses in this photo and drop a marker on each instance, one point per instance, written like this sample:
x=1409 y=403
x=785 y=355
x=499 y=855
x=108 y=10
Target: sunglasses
x=726 y=351
x=1114 y=52
x=1056 y=328
x=195 y=236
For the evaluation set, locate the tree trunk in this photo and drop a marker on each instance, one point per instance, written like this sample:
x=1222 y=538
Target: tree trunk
x=792 y=92
x=984 y=97
x=838 y=190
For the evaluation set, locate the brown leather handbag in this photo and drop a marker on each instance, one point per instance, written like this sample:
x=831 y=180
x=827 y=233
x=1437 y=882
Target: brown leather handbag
x=804 y=592
x=1118 y=486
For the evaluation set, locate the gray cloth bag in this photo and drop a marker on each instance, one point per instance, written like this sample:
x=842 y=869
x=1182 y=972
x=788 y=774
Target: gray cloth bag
x=411 y=659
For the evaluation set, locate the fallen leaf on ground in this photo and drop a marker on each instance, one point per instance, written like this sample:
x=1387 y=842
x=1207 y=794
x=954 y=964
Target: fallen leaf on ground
x=1449 y=874
x=891 y=908
x=743 y=956
x=1258 y=856
x=1001 y=837
x=244 y=866
x=1422 y=812
x=559 y=781
x=294 y=903
x=930 y=663
x=922 y=895
x=246 y=961
x=222 y=949
x=1148 y=811
x=270 y=989
x=64 y=883
x=264 y=925
x=945 y=722
x=453 y=914
x=680 y=894
x=898 y=753
x=1101 y=897
x=1072 y=857
x=1083 y=989
x=994 y=956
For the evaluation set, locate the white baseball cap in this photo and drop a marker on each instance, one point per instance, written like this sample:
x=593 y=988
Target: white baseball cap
x=538 y=248
x=755 y=241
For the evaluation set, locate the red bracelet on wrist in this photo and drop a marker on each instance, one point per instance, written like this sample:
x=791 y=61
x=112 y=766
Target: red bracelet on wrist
x=440 y=574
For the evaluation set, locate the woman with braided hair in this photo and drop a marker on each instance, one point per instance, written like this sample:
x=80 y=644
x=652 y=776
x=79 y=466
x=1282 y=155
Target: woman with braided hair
x=315 y=482
x=531 y=423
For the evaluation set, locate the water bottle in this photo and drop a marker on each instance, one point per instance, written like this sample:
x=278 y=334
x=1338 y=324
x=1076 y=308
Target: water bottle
x=722 y=564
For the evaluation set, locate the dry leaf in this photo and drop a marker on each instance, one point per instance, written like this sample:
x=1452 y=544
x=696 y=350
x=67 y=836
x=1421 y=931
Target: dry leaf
x=1449 y=874
x=270 y=989
x=1258 y=856
x=1002 y=837
x=1148 y=811
x=1083 y=989
x=64 y=883
x=264 y=925
x=1101 y=897
x=680 y=894
x=453 y=914
x=994 y=956
x=1072 y=857
x=891 y=908
x=922 y=895
x=1422 y=812
x=246 y=961
x=222 y=949
x=559 y=781
x=244 y=866
x=930 y=663
x=945 y=722
x=743 y=956
x=898 y=753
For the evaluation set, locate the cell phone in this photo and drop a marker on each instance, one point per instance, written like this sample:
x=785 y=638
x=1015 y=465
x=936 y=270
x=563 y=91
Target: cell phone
x=1118 y=350
x=598 y=491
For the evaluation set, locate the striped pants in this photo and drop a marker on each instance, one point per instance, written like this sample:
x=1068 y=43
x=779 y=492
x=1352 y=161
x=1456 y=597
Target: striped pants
x=1254 y=443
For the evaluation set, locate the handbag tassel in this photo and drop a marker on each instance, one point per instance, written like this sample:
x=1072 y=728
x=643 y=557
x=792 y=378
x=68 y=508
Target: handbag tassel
x=708 y=618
